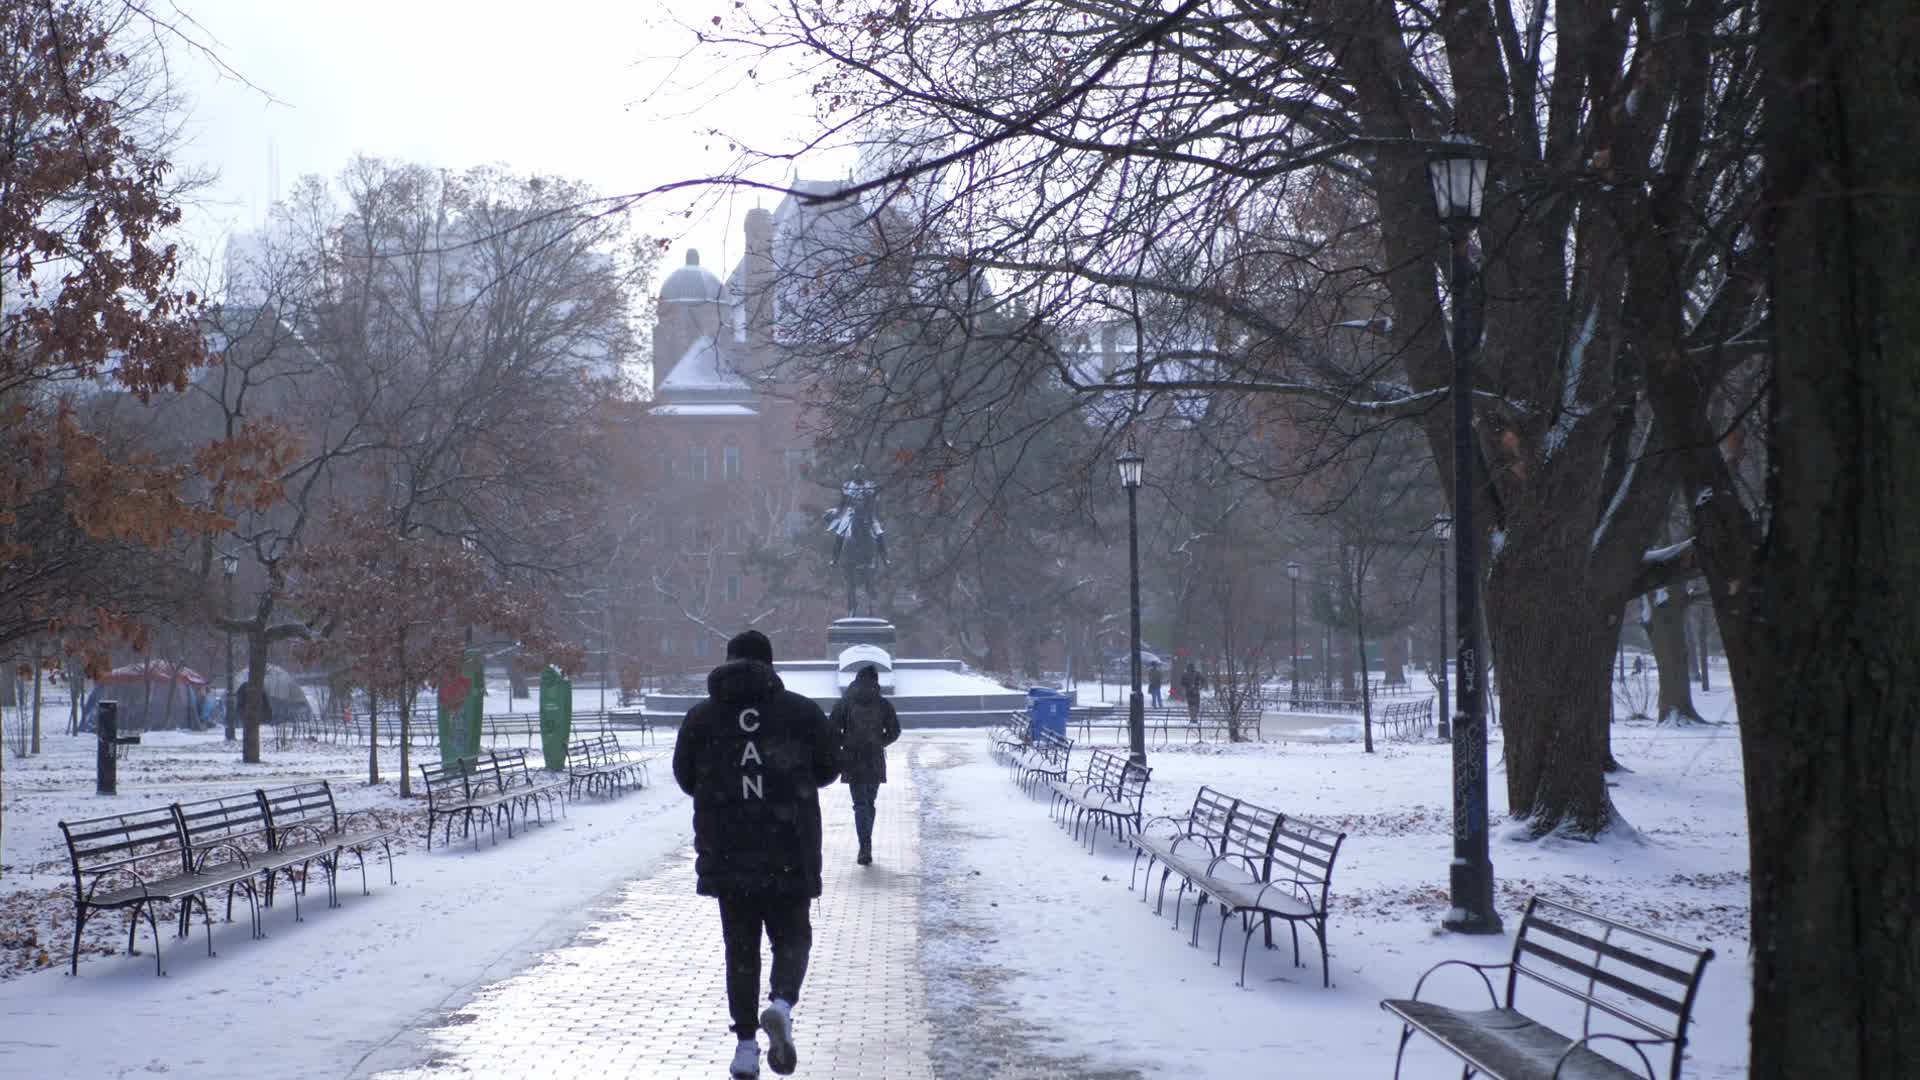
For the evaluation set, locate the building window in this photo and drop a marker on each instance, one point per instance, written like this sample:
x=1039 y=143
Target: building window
x=796 y=523
x=670 y=467
x=730 y=463
x=733 y=588
x=798 y=463
x=702 y=648
x=697 y=464
x=666 y=645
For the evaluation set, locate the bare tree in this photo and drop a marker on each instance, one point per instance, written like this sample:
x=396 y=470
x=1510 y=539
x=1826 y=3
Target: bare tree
x=1076 y=162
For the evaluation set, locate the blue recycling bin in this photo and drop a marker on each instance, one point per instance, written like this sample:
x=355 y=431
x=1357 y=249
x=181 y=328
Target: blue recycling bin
x=1047 y=710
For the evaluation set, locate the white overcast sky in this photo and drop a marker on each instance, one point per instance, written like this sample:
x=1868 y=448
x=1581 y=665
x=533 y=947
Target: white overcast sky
x=603 y=91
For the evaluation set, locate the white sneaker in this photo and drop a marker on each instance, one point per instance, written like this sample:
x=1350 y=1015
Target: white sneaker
x=777 y=1020
x=746 y=1060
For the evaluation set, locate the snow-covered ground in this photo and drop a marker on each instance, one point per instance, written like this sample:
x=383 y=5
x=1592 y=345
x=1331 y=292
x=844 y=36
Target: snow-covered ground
x=1013 y=905
x=1010 y=908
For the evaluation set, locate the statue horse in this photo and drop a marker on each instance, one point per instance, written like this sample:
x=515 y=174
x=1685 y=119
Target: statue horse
x=860 y=549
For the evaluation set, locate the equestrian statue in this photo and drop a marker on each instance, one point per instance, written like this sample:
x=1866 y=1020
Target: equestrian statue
x=860 y=543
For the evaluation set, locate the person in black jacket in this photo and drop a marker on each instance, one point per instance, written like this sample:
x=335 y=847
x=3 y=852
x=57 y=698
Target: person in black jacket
x=754 y=756
x=864 y=724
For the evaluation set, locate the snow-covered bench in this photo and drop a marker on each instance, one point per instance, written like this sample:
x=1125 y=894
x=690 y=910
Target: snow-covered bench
x=1639 y=985
x=1406 y=720
x=1108 y=791
x=1250 y=861
x=1008 y=737
x=302 y=820
x=601 y=764
x=137 y=860
x=1047 y=757
x=493 y=786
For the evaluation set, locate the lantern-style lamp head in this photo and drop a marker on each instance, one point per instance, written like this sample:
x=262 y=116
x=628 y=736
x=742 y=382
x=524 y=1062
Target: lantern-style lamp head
x=1293 y=570
x=1131 y=464
x=1442 y=527
x=229 y=564
x=1459 y=175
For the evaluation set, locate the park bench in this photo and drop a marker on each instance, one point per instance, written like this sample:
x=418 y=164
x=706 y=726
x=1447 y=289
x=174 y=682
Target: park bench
x=142 y=860
x=600 y=764
x=1047 y=757
x=632 y=720
x=302 y=820
x=1008 y=737
x=1406 y=720
x=1188 y=843
x=1250 y=861
x=241 y=821
x=454 y=790
x=1108 y=791
x=1641 y=981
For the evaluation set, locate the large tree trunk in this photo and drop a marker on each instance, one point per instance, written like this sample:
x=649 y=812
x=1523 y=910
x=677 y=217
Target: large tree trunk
x=406 y=745
x=1820 y=600
x=37 y=675
x=1555 y=645
x=1664 y=618
x=1818 y=591
x=1394 y=651
x=373 y=736
x=254 y=702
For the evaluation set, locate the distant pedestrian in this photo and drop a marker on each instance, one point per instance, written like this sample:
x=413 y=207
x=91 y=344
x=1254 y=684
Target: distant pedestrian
x=1190 y=686
x=864 y=724
x=754 y=756
x=1153 y=682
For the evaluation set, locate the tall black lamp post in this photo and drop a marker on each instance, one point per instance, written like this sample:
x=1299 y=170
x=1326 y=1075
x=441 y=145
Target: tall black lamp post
x=1131 y=466
x=1293 y=586
x=229 y=566
x=1442 y=532
x=1459 y=176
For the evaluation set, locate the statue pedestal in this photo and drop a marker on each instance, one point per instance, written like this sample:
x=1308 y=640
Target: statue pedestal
x=857 y=642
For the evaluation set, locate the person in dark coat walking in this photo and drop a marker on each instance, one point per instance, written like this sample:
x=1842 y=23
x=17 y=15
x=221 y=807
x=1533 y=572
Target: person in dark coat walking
x=864 y=724
x=754 y=756
x=1190 y=687
x=1153 y=682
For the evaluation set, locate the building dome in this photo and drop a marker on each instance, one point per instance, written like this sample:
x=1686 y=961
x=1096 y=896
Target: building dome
x=692 y=282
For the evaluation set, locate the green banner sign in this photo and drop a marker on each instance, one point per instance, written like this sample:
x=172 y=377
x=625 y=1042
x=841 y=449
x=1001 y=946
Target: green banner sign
x=556 y=717
x=463 y=703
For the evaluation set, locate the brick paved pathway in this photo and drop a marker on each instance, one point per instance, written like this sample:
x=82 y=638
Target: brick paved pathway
x=639 y=993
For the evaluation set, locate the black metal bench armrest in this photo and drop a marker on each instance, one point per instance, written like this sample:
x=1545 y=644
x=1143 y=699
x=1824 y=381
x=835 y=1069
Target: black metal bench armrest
x=1300 y=890
x=1583 y=1041
x=202 y=851
x=1183 y=823
x=1479 y=969
x=1241 y=855
x=103 y=875
x=348 y=817
x=307 y=828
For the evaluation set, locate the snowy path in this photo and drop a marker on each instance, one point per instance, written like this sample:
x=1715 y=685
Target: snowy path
x=639 y=994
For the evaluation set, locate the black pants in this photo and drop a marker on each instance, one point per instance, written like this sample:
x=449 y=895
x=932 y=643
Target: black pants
x=789 y=927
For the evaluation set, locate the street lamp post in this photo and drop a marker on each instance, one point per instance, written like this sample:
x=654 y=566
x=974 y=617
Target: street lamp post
x=1442 y=532
x=1131 y=466
x=1459 y=176
x=229 y=566
x=1293 y=586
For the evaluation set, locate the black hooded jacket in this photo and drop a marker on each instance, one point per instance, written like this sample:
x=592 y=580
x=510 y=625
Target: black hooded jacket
x=754 y=756
x=865 y=765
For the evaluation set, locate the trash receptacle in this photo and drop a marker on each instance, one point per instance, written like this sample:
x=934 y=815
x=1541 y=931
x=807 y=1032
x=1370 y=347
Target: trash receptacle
x=1047 y=709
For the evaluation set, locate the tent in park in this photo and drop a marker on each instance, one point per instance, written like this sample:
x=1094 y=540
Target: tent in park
x=286 y=700
x=153 y=695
